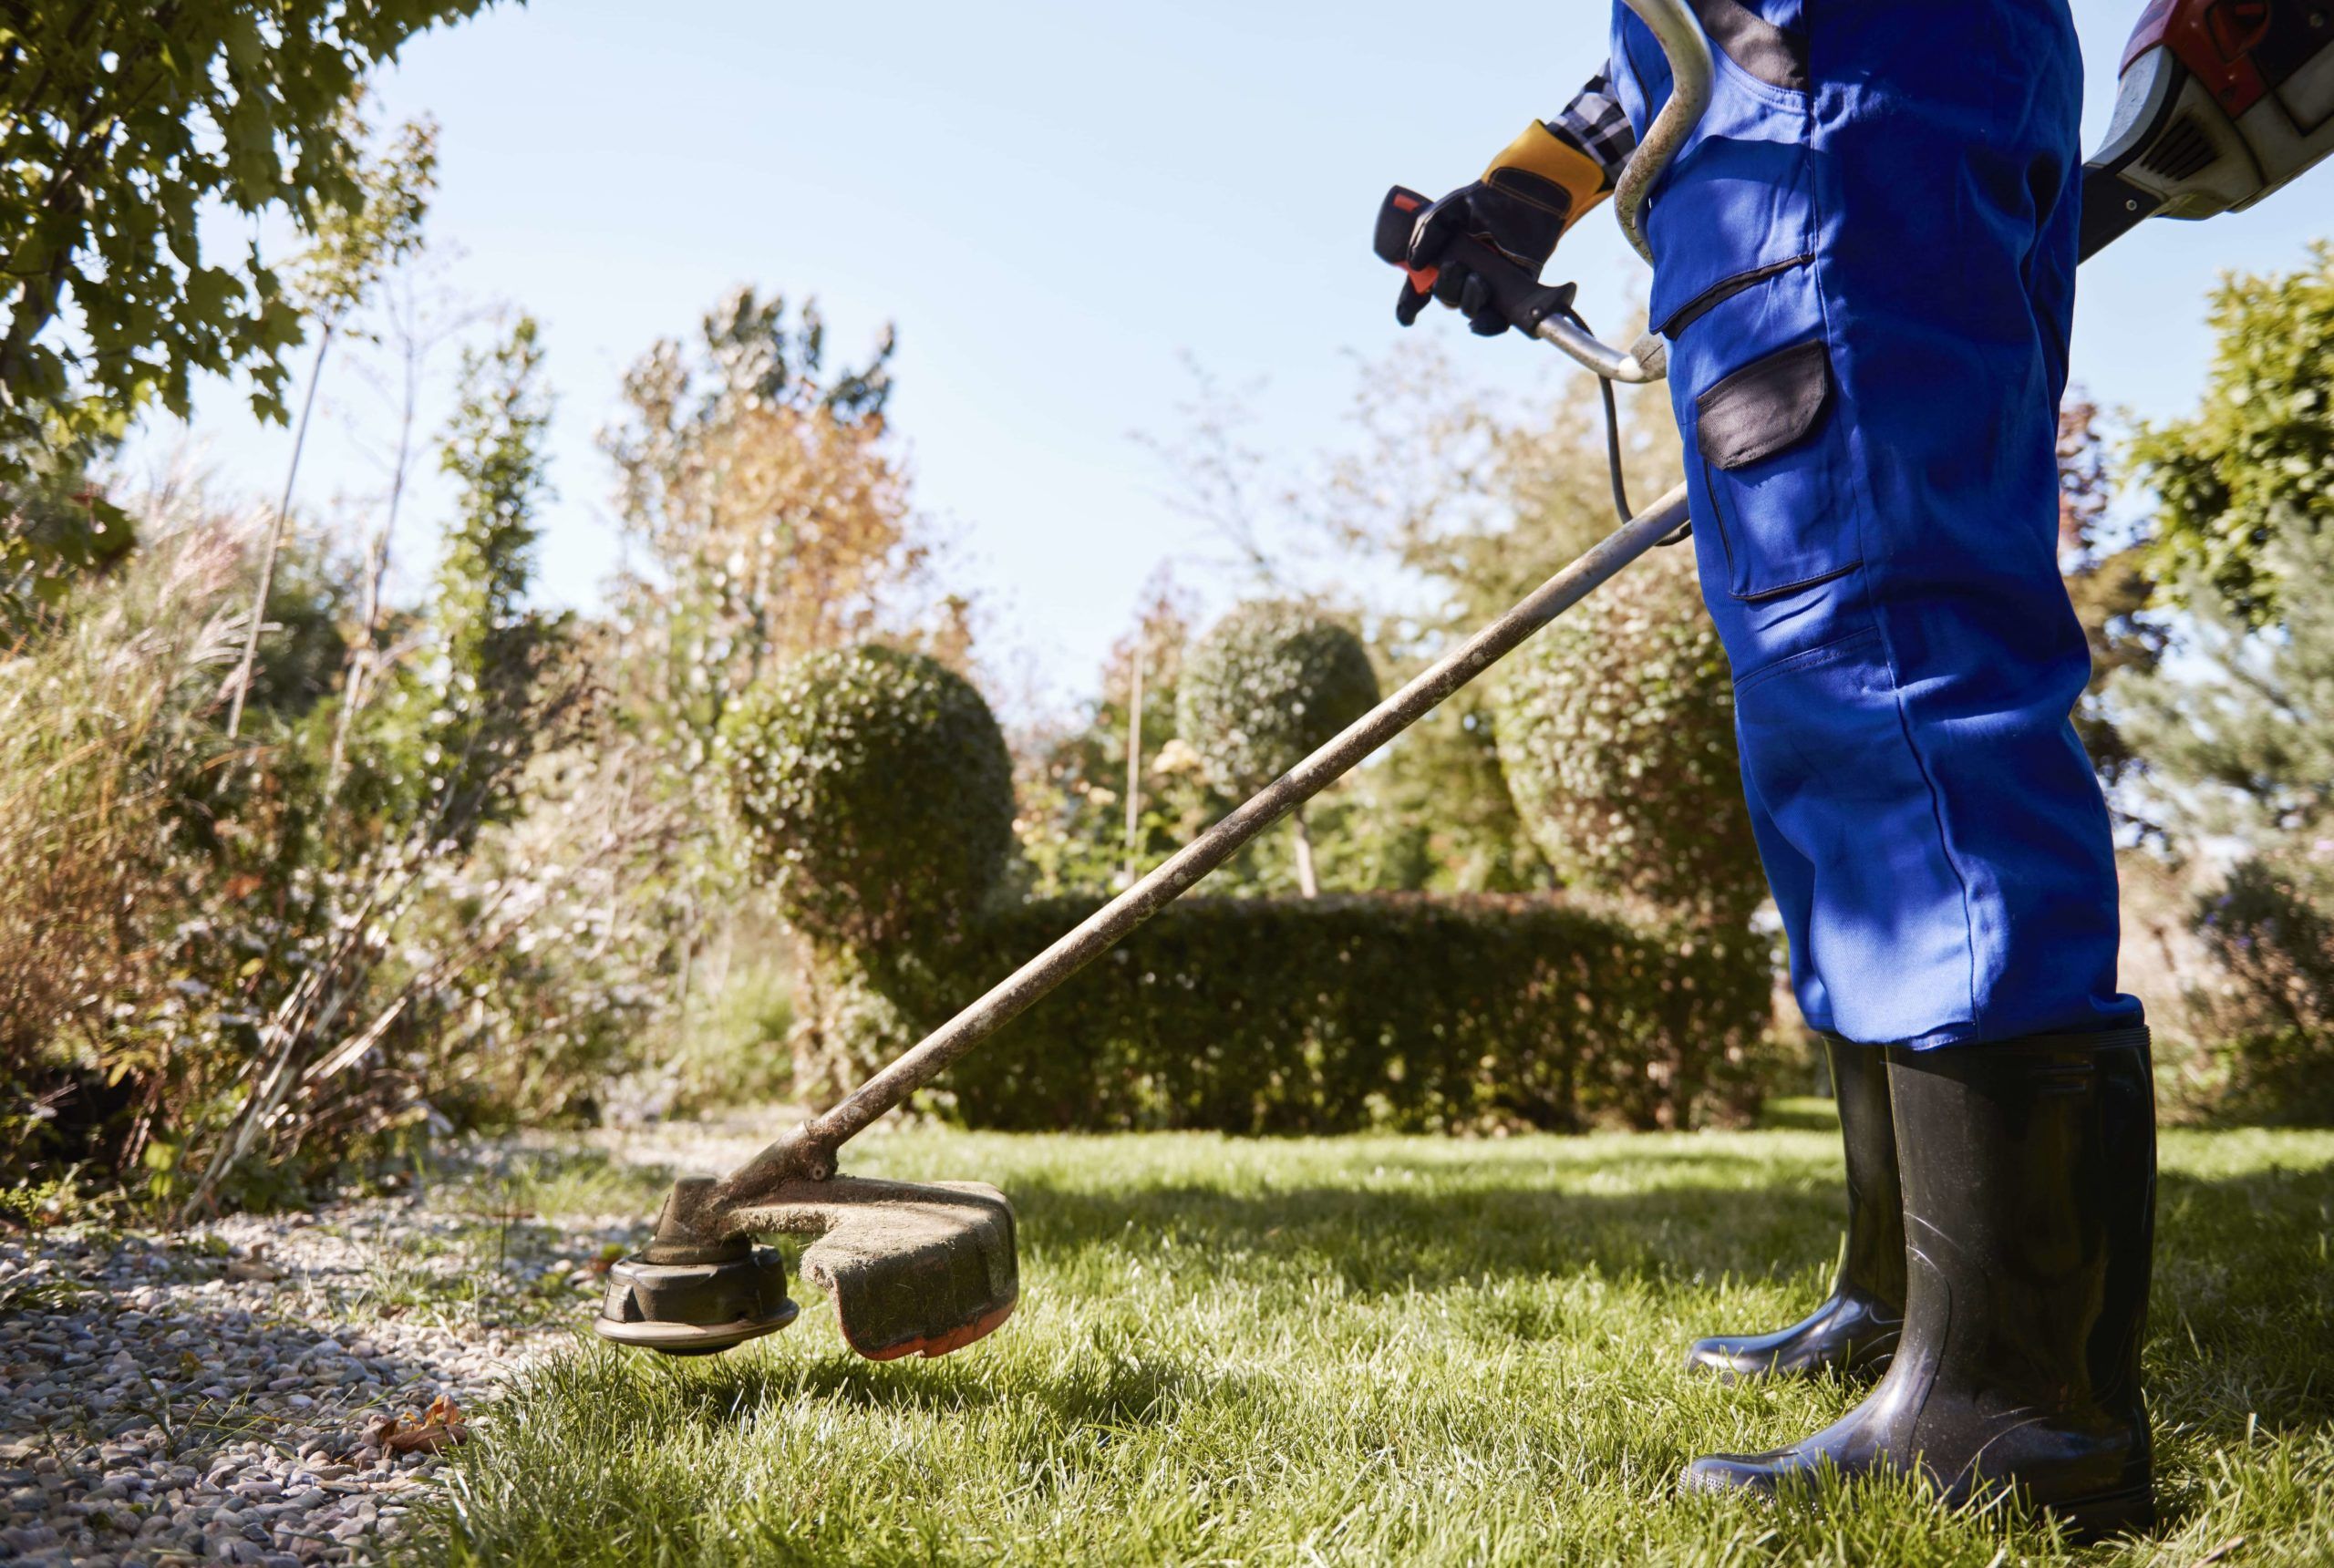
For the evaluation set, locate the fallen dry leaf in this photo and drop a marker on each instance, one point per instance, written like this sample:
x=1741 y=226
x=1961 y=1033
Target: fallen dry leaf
x=253 y=1267
x=439 y=1427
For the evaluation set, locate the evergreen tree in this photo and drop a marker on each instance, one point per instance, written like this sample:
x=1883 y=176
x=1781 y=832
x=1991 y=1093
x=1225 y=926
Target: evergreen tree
x=489 y=650
x=2233 y=728
x=2238 y=732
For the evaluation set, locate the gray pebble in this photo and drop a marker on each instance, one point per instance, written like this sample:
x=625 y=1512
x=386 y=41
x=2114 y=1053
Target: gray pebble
x=198 y=1417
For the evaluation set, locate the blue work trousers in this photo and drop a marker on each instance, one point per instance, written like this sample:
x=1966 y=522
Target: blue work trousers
x=1864 y=262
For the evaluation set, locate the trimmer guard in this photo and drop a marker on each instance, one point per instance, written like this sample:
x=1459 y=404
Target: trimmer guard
x=914 y=1268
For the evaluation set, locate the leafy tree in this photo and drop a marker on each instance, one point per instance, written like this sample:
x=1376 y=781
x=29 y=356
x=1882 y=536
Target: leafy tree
x=2236 y=736
x=774 y=518
x=2257 y=459
x=1436 y=813
x=120 y=126
x=355 y=246
x=1071 y=784
x=1461 y=493
x=2234 y=732
x=477 y=686
x=361 y=874
x=1271 y=682
x=60 y=530
x=2111 y=583
x=765 y=516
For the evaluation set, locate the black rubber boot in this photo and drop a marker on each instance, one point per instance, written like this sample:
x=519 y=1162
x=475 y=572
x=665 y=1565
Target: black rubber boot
x=1854 y=1333
x=2029 y=1202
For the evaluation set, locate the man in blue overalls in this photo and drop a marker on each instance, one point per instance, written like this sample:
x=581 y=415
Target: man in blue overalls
x=1864 y=267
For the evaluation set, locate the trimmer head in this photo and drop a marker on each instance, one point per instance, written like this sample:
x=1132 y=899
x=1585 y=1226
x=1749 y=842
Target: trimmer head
x=914 y=1268
x=722 y=1297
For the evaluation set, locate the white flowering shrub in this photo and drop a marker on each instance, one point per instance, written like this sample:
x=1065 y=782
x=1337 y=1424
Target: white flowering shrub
x=1615 y=730
x=876 y=789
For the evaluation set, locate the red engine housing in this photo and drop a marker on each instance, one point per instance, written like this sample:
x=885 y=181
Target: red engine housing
x=2214 y=40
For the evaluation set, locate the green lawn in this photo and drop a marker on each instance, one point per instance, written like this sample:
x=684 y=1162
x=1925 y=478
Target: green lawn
x=1391 y=1349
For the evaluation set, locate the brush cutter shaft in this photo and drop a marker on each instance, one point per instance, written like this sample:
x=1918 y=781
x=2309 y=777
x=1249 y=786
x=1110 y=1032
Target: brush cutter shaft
x=810 y=1149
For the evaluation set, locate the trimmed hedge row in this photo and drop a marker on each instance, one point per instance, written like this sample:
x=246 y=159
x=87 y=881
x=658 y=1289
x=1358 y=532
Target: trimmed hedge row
x=1295 y=1016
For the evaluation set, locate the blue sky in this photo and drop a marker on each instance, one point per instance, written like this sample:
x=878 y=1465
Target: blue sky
x=1055 y=202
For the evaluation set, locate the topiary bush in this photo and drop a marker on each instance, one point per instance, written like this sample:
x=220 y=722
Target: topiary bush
x=878 y=793
x=1270 y=684
x=877 y=790
x=1615 y=729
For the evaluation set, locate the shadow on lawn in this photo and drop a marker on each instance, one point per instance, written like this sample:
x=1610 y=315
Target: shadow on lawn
x=2242 y=1304
x=1701 y=1213
x=1131 y=1389
x=2243 y=1298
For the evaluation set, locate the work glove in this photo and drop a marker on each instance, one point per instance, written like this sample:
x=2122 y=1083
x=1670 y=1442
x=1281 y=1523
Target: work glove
x=1540 y=187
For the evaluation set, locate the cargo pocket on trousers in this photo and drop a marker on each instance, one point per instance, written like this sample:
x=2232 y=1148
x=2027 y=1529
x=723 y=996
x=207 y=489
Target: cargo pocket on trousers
x=1772 y=454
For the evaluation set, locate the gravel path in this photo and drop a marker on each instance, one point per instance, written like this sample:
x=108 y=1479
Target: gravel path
x=226 y=1394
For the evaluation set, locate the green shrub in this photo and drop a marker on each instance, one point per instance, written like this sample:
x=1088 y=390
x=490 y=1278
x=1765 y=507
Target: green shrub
x=877 y=790
x=1615 y=732
x=1269 y=684
x=1330 y=1015
x=2254 y=463
x=849 y=1017
x=209 y=947
x=2268 y=1049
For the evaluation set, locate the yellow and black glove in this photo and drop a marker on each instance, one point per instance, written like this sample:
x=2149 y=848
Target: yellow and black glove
x=1532 y=192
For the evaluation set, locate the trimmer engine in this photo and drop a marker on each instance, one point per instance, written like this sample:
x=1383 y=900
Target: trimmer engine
x=2220 y=103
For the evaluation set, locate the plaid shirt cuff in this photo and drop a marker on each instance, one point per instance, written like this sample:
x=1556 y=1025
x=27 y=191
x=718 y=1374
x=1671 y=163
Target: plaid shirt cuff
x=1597 y=124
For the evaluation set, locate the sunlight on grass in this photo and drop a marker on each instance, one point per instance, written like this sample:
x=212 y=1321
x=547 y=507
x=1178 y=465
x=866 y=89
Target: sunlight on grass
x=1374 y=1350
x=524 y=1221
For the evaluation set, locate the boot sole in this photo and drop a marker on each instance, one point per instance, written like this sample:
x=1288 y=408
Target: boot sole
x=2101 y=1515
x=2130 y=1512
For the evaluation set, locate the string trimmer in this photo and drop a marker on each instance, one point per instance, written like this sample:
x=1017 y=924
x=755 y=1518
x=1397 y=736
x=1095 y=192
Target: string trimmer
x=2222 y=101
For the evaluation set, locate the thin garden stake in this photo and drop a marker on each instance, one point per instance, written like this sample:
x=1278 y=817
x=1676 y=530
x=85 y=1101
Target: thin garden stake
x=1134 y=754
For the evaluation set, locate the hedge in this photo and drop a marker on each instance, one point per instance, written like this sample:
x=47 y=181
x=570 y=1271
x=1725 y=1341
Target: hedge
x=1290 y=1015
